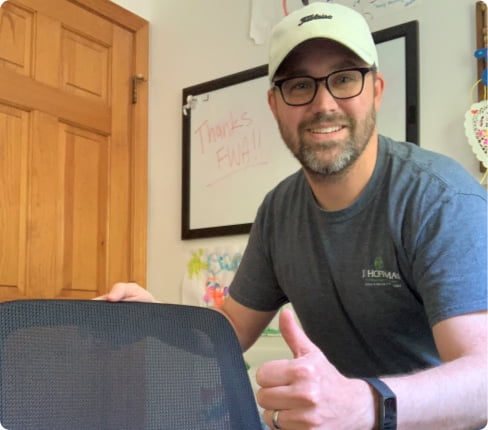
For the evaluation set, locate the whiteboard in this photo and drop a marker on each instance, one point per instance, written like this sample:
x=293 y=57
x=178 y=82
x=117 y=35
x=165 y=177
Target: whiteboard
x=237 y=154
x=233 y=153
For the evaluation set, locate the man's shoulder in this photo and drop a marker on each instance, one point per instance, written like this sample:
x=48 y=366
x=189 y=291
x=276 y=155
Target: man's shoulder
x=291 y=184
x=411 y=164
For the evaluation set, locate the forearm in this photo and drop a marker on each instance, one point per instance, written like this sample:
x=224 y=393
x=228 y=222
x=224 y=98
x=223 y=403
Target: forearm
x=450 y=396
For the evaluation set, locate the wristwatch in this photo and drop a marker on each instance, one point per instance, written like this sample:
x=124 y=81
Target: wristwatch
x=387 y=407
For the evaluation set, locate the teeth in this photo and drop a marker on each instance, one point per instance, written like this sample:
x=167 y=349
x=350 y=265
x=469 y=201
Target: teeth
x=326 y=129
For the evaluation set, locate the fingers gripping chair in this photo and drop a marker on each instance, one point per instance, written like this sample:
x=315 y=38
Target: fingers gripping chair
x=95 y=365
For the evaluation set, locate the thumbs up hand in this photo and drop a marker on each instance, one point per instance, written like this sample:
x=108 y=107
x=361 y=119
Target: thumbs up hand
x=308 y=391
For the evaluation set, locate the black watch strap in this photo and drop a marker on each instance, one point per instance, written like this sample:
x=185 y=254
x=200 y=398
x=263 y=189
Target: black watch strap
x=387 y=408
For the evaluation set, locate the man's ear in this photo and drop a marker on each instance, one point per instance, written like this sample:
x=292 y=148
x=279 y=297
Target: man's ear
x=379 y=88
x=272 y=102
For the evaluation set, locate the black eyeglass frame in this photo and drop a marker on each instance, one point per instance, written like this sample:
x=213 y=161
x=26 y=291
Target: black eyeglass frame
x=363 y=70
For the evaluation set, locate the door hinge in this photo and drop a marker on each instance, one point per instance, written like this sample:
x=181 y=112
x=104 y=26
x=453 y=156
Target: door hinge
x=136 y=80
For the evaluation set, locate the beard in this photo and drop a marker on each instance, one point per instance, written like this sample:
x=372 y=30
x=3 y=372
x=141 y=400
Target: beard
x=311 y=154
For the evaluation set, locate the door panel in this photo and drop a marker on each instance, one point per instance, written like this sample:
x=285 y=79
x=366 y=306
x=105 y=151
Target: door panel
x=13 y=146
x=68 y=223
x=84 y=212
x=16 y=30
x=91 y=80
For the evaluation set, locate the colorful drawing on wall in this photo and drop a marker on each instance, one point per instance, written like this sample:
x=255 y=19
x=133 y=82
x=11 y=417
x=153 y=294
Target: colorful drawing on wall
x=208 y=275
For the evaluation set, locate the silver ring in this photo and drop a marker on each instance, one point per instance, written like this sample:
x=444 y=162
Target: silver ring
x=274 y=419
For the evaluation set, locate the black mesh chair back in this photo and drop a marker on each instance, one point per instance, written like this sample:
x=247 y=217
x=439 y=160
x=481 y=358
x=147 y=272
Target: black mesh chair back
x=95 y=365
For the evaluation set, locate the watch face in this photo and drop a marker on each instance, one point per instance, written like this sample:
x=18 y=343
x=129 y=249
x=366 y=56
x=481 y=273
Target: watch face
x=389 y=411
x=390 y=405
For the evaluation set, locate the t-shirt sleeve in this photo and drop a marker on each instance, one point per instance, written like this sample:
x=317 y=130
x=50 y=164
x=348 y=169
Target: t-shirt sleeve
x=450 y=261
x=255 y=284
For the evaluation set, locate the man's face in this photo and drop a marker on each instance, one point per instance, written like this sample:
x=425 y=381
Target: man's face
x=328 y=134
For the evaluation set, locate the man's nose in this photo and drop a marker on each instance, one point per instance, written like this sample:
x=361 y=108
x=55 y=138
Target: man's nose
x=323 y=100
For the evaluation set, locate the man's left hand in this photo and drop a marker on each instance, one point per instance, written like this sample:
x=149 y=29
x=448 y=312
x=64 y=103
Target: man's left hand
x=308 y=391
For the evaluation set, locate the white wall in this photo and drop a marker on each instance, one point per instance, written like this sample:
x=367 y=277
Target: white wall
x=195 y=41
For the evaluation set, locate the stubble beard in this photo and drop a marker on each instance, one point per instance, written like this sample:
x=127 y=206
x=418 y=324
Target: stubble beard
x=309 y=153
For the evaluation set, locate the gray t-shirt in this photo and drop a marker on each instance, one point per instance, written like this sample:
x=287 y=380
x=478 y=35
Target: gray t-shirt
x=368 y=282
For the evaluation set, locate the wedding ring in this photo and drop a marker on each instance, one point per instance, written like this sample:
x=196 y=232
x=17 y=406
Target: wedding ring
x=274 y=419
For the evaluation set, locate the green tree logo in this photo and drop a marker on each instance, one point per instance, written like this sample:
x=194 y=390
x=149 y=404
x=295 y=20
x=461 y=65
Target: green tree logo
x=378 y=263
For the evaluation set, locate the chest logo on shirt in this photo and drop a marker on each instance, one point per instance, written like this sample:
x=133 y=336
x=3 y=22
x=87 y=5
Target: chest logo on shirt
x=379 y=277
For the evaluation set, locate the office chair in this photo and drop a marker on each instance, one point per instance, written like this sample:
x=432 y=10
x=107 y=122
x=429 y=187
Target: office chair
x=69 y=364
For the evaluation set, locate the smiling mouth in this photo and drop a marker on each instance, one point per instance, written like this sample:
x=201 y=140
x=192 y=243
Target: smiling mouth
x=325 y=130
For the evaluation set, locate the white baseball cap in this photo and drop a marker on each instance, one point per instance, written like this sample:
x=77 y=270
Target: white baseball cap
x=325 y=21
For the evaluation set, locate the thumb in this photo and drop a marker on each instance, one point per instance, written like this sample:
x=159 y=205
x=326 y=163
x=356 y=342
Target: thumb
x=294 y=336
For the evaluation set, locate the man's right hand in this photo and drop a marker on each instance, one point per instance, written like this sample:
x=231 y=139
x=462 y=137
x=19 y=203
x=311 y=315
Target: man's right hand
x=127 y=292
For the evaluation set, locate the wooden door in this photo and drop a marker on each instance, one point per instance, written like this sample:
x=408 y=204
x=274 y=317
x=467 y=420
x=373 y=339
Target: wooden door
x=73 y=148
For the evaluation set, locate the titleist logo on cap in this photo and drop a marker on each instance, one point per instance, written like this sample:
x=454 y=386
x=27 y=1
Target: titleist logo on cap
x=314 y=17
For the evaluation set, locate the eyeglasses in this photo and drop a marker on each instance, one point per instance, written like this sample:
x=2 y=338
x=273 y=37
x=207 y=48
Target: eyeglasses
x=342 y=84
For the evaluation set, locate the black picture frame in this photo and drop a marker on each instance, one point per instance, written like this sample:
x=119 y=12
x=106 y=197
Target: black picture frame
x=407 y=31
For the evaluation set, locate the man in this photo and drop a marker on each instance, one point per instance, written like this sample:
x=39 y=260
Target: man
x=379 y=246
